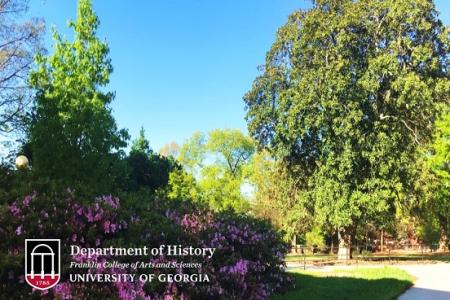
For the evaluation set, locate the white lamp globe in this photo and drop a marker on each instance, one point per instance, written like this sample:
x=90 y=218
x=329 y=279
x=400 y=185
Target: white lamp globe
x=21 y=162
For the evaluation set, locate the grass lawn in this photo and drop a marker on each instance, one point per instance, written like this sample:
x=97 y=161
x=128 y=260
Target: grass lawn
x=359 y=283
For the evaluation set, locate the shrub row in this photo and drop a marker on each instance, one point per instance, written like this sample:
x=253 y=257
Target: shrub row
x=248 y=262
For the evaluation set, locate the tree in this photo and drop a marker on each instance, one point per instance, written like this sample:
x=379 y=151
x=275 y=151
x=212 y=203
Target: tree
x=192 y=153
x=221 y=190
x=170 y=150
x=439 y=162
x=72 y=135
x=277 y=196
x=233 y=147
x=429 y=230
x=141 y=144
x=19 y=42
x=348 y=92
x=183 y=185
x=148 y=169
x=217 y=161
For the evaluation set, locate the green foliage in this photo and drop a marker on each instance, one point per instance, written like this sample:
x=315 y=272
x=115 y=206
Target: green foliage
x=6 y=181
x=183 y=185
x=148 y=169
x=346 y=96
x=217 y=162
x=440 y=158
x=277 y=197
x=192 y=153
x=72 y=135
x=315 y=237
x=439 y=163
x=221 y=190
x=232 y=147
x=141 y=144
x=429 y=231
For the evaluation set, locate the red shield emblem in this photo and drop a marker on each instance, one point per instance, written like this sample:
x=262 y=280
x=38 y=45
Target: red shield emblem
x=42 y=262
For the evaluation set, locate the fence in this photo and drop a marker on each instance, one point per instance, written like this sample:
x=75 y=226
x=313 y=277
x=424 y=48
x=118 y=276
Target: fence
x=303 y=255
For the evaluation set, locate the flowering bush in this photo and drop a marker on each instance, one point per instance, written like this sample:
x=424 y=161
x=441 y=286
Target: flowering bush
x=59 y=216
x=247 y=264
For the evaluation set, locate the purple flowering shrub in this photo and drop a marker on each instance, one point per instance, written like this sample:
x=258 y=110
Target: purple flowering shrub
x=41 y=216
x=248 y=262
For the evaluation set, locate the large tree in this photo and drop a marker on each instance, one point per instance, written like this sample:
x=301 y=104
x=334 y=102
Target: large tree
x=19 y=41
x=440 y=166
x=348 y=93
x=73 y=136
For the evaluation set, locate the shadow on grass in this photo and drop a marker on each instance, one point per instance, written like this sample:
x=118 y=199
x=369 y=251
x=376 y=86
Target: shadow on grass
x=339 y=288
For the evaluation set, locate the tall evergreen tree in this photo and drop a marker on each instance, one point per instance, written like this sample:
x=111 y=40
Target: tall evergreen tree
x=348 y=93
x=72 y=135
x=141 y=144
x=148 y=169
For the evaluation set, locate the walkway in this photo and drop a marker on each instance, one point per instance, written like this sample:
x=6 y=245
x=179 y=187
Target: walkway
x=432 y=283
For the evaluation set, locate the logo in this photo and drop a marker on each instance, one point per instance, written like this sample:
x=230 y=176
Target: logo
x=42 y=262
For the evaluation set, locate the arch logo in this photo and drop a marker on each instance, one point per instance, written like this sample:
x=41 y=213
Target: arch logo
x=42 y=262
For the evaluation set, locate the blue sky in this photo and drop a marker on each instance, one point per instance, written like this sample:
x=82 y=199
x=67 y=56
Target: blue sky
x=182 y=66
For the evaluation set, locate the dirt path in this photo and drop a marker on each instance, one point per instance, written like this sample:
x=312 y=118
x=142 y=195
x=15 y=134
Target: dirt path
x=432 y=283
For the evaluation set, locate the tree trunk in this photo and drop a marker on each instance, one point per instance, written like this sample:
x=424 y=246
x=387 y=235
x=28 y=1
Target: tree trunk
x=382 y=241
x=443 y=241
x=294 y=244
x=345 y=245
x=443 y=226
